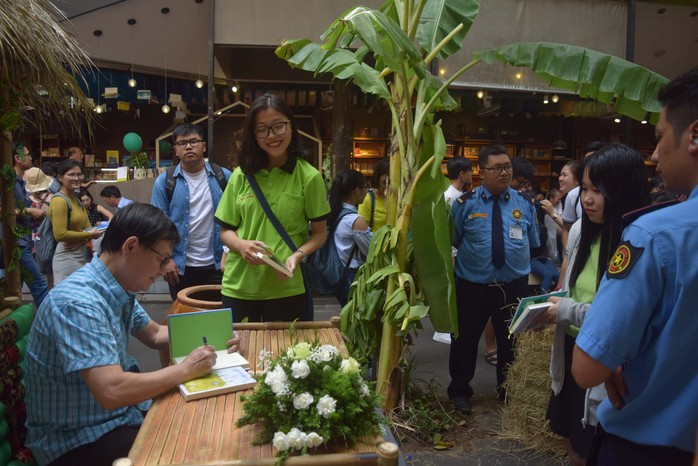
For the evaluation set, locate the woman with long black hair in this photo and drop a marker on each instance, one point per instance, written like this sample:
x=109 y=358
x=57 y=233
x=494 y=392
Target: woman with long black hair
x=351 y=232
x=613 y=183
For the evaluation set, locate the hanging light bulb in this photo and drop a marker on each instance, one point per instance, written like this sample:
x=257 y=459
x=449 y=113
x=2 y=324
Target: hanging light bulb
x=234 y=87
x=165 y=108
x=199 y=83
x=644 y=122
x=132 y=82
x=555 y=98
x=480 y=94
x=545 y=99
x=99 y=109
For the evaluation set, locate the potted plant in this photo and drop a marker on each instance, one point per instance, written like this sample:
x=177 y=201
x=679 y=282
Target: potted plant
x=139 y=162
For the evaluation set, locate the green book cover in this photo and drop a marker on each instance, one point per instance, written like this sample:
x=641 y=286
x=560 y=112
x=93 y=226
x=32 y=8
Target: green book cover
x=187 y=331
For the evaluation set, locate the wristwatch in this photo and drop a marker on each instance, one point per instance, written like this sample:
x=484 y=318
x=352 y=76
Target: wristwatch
x=302 y=254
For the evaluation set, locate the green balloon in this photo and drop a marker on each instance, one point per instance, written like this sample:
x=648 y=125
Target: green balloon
x=165 y=146
x=132 y=142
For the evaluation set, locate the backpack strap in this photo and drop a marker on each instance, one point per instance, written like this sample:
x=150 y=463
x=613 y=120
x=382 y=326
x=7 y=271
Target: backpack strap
x=372 y=195
x=171 y=181
x=333 y=228
x=67 y=201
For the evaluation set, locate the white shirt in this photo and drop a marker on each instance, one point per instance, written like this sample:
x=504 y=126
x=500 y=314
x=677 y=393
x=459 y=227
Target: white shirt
x=199 y=246
x=345 y=238
x=451 y=194
x=572 y=210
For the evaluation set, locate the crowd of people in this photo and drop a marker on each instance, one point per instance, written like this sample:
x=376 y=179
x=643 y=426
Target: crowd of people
x=624 y=387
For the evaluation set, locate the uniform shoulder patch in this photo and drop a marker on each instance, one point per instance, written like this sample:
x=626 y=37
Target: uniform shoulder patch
x=469 y=195
x=623 y=260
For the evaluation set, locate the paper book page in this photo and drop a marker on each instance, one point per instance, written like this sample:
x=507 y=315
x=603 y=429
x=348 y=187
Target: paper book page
x=217 y=382
x=528 y=316
x=527 y=301
x=224 y=359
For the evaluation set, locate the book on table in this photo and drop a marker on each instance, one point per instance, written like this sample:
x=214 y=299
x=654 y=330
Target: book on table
x=193 y=329
x=529 y=308
x=217 y=382
x=273 y=260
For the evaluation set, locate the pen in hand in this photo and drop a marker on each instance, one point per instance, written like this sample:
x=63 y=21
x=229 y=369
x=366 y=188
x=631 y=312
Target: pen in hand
x=205 y=341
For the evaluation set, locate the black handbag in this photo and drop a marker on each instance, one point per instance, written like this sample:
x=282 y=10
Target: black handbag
x=309 y=311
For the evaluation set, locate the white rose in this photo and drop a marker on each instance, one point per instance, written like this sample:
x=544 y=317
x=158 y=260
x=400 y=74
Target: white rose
x=327 y=352
x=277 y=380
x=280 y=441
x=349 y=366
x=363 y=390
x=302 y=350
x=300 y=369
x=303 y=401
x=296 y=439
x=313 y=440
x=326 y=406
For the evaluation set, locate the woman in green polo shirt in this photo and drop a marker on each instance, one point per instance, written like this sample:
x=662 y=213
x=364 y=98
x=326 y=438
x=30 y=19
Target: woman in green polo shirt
x=271 y=154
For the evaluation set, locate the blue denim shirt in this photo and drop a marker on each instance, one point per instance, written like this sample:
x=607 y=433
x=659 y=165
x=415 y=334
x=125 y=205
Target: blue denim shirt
x=178 y=211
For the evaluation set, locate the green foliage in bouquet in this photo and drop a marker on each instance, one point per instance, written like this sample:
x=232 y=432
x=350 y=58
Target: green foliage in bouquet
x=310 y=396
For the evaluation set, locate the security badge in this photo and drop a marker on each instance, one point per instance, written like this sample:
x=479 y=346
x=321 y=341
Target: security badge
x=623 y=260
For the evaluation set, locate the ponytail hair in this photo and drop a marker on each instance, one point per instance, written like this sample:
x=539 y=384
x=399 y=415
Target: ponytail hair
x=342 y=186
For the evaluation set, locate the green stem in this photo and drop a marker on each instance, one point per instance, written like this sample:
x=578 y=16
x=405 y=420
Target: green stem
x=423 y=114
x=415 y=19
x=443 y=42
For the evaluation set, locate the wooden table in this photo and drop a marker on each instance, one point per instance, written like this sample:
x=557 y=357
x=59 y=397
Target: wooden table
x=203 y=432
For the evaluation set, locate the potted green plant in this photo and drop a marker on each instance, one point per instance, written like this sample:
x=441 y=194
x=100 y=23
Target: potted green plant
x=139 y=162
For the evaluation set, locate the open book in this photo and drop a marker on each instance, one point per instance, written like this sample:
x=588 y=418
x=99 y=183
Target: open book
x=529 y=308
x=193 y=329
x=273 y=260
x=218 y=382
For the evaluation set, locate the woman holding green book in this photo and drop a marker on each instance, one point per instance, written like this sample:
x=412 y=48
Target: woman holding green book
x=613 y=184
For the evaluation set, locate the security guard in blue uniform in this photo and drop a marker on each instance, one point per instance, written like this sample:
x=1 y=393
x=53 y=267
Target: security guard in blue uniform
x=639 y=335
x=495 y=229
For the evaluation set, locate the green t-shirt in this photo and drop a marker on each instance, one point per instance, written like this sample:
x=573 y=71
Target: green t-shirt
x=296 y=197
x=379 y=217
x=584 y=289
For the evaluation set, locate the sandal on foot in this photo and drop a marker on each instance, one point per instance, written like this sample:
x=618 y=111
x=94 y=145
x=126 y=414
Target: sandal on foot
x=491 y=357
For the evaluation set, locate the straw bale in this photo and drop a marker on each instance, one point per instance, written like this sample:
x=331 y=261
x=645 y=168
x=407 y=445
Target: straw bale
x=528 y=393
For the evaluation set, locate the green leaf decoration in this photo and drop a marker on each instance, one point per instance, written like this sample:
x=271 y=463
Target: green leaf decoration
x=590 y=74
x=439 y=18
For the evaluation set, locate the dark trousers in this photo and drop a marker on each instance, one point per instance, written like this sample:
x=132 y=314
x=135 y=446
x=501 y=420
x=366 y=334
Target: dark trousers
x=193 y=276
x=476 y=303
x=611 y=450
x=267 y=310
x=113 y=445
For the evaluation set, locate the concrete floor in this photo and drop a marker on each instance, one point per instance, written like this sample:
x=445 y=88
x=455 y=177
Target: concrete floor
x=432 y=358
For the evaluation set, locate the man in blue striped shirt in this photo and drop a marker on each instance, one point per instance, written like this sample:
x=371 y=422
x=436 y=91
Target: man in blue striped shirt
x=85 y=397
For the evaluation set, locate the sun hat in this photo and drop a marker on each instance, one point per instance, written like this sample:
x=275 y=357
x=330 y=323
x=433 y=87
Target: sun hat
x=36 y=180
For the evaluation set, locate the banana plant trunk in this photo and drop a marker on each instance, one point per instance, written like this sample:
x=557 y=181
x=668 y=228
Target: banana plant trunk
x=9 y=220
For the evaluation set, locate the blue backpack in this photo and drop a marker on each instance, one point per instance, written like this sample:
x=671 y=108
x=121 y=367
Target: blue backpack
x=327 y=271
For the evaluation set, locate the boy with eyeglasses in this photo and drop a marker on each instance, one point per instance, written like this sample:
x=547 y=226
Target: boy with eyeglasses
x=189 y=194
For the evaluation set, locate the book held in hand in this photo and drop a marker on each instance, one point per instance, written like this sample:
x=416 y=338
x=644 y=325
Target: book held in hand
x=193 y=329
x=273 y=260
x=529 y=308
x=218 y=382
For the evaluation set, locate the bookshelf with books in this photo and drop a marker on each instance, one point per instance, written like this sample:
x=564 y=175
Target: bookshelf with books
x=541 y=156
x=366 y=153
x=451 y=151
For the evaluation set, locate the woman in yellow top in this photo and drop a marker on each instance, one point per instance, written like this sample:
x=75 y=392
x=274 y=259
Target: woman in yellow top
x=372 y=209
x=71 y=236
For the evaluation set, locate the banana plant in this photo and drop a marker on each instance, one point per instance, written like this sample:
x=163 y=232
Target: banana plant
x=387 y=52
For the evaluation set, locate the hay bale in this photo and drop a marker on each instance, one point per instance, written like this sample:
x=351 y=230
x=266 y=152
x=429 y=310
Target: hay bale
x=528 y=393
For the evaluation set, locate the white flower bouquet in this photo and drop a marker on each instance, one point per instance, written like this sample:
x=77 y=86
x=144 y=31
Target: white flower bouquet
x=310 y=396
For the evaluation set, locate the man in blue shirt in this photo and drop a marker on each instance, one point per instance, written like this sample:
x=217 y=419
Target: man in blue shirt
x=640 y=333
x=191 y=205
x=495 y=228
x=38 y=286
x=85 y=399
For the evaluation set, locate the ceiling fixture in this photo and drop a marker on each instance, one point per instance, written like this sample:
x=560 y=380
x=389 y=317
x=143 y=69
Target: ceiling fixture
x=617 y=119
x=480 y=94
x=546 y=99
x=198 y=83
x=559 y=143
x=98 y=108
x=131 y=82
x=555 y=98
x=643 y=122
x=165 y=108
x=235 y=87
x=519 y=75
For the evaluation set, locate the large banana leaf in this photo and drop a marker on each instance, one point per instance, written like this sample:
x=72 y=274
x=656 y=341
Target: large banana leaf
x=439 y=18
x=588 y=73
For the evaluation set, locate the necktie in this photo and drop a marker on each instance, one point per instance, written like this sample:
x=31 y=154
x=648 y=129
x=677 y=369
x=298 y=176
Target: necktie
x=497 y=234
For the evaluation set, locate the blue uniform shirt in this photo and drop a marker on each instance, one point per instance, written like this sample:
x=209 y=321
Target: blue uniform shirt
x=473 y=224
x=178 y=211
x=644 y=317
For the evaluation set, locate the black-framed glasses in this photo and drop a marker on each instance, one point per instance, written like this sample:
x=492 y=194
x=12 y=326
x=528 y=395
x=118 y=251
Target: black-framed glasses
x=499 y=170
x=192 y=142
x=163 y=260
x=279 y=129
